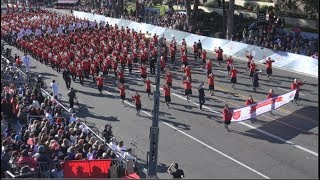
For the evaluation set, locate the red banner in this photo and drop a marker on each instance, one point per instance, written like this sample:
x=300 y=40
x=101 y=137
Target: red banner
x=87 y=169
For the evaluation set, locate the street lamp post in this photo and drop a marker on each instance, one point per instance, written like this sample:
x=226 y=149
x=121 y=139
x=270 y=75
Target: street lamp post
x=154 y=129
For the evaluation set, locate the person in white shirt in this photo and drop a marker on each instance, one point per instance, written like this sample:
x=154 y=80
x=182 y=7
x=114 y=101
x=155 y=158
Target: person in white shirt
x=72 y=118
x=113 y=143
x=26 y=61
x=36 y=103
x=48 y=116
x=54 y=88
x=128 y=155
x=121 y=148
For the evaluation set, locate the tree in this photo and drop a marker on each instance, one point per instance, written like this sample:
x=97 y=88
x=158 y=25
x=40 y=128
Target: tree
x=188 y=9
x=117 y=6
x=230 y=20
x=311 y=7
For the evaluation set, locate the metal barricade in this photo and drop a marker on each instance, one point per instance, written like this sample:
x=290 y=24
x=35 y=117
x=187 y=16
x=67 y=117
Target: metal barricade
x=42 y=170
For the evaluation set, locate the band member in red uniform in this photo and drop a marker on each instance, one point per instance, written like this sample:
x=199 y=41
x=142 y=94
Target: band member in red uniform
x=143 y=72
x=187 y=71
x=233 y=74
x=121 y=76
x=80 y=73
x=296 y=86
x=115 y=67
x=270 y=94
x=268 y=64
x=219 y=55
x=252 y=68
x=122 y=92
x=162 y=64
x=168 y=78
x=249 y=102
x=100 y=83
x=187 y=88
x=227 y=116
x=137 y=100
x=148 y=87
x=172 y=54
x=204 y=56
x=211 y=84
x=166 y=93
x=209 y=66
x=93 y=71
x=249 y=59
x=73 y=71
x=184 y=59
x=229 y=64
x=129 y=62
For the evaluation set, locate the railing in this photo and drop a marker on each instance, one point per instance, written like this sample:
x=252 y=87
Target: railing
x=42 y=170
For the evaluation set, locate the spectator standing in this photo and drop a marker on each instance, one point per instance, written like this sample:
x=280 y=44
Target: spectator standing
x=176 y=172
x=55 y=89
x=26 y=61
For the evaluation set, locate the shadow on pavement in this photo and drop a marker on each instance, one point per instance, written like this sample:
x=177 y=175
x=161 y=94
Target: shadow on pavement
x=297 y=119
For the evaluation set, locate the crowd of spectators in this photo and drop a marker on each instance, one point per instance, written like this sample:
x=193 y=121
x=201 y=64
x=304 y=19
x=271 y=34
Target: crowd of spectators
x=273 y=35
x=48 y=135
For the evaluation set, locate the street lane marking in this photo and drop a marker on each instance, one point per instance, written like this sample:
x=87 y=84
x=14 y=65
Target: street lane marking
x=197 y=140
x=255 y=128
x=290 y=90
x=280 y=139
x=222 y=71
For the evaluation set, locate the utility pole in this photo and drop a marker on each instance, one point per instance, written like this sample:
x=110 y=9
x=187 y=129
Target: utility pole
x=154 y=129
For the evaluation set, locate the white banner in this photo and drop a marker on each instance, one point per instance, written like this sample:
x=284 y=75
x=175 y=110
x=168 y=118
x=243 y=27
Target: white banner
x=68 y=1
x=262 y=107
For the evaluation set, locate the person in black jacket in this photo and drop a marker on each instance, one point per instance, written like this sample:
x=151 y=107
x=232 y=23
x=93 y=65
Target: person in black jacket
x=72 y=97
x=255 y=80
x=107 y=132
x=177 y=173
x=201 y=95
x=199 y=46
x=67 y=77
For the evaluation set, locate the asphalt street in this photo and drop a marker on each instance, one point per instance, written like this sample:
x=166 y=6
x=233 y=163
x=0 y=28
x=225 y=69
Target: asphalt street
x=197 y=139
x=283 y=144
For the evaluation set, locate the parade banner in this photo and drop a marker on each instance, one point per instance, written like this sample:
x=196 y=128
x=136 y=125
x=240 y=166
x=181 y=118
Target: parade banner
x=87 y=168
x=262 y=107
